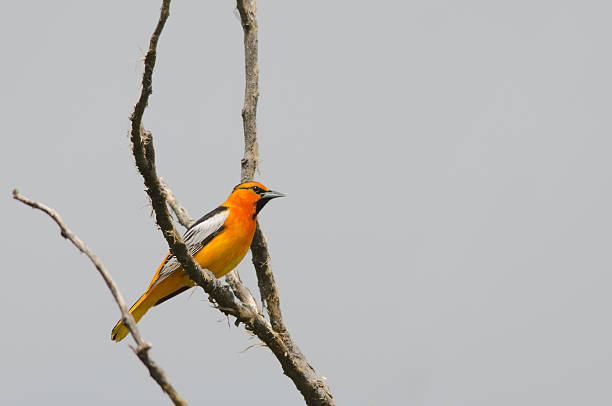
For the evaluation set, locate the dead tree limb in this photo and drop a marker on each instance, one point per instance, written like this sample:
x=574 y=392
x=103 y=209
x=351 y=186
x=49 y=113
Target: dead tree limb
x=259 y=246
x=294 y=364
x=250 y=161
x=142 y=347
x=144 y=155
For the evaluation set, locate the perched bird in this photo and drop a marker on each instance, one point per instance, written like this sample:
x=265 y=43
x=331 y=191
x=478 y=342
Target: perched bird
x=218 y=242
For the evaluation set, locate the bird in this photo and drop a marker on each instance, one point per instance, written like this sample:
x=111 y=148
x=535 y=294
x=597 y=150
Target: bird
x=218 y=241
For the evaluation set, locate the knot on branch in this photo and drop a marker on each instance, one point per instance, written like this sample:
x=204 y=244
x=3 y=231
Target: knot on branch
x=147 y=145
x=143 y=348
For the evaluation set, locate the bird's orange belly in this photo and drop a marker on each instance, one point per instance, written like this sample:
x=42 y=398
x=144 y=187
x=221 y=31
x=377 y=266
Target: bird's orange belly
x=224 y=252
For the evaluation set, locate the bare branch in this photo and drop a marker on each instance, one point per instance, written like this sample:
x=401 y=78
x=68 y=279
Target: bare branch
x=144 y=155
x=142 y=348
x=294 y=364
x=181 y=213
x=313 y=388
x=242 y=292
x=250 y=161
x=142 y=148
x=264 y=331
x=259 y=247
x=268 y=288
x=149 y=64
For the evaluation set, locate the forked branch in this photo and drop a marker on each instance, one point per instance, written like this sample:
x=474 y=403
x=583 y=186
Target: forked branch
x=294 y=364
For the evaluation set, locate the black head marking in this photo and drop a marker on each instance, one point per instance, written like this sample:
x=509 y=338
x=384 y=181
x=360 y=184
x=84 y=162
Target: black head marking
x=257 y=189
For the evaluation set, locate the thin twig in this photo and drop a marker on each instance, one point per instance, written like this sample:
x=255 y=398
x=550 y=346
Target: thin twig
x=260 y=344
x=181 y=213
x=142 y=348
x=149 y=65
x=242 y=292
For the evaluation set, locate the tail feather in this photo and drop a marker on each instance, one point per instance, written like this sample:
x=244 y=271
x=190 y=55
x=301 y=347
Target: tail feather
x=137 y=310
x=174 y=284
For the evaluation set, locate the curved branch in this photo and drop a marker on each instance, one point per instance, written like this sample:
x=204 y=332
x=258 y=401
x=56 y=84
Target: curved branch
x=144 y=155
x=142 y=348
x=294 y=365
x=149 y=65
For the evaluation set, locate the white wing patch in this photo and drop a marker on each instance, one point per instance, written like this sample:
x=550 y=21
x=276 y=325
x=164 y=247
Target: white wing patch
x=196 y=238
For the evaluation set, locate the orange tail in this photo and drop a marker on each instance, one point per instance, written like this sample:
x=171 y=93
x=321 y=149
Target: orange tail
x=174 y=284
x=137 y=310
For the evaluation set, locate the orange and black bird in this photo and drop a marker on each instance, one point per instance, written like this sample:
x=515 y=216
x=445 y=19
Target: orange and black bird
x=218 y=242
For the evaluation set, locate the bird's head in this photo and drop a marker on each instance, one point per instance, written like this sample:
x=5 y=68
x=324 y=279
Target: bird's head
x=252 y=194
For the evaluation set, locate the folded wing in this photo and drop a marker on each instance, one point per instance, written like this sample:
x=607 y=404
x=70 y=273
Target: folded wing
x=196 y=238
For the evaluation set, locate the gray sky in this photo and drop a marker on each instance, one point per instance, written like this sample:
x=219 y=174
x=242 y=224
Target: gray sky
x=446 y=239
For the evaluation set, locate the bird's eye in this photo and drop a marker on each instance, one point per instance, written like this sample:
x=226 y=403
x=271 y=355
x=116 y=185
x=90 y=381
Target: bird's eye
x=256 y=189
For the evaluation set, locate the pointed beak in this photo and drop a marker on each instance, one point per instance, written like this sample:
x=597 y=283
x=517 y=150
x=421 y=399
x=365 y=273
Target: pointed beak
x=271 y=194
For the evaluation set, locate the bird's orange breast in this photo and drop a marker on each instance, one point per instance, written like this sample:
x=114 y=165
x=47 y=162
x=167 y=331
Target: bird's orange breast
x=229 y=247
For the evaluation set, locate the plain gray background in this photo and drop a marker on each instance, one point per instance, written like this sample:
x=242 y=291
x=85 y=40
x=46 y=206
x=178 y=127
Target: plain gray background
x=446 y=239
